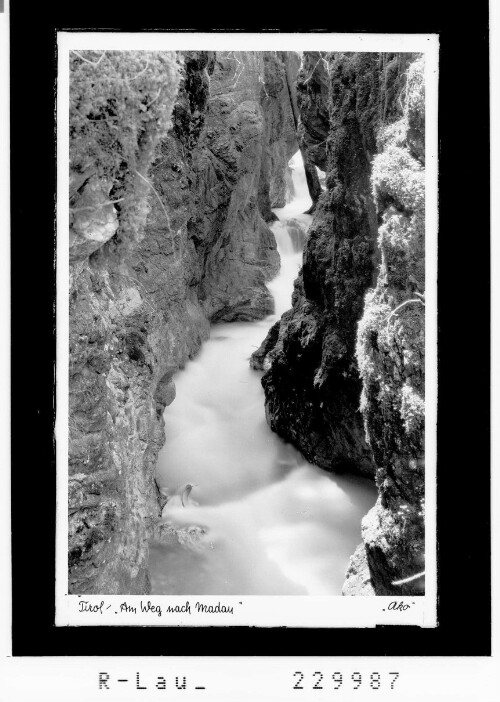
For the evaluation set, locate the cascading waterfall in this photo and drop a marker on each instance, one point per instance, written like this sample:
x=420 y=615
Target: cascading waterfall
x=270 y=523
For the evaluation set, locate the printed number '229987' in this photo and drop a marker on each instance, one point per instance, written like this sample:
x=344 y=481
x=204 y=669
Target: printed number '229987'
x=353 y=681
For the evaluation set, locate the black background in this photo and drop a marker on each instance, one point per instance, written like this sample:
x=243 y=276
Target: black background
x=464 y=381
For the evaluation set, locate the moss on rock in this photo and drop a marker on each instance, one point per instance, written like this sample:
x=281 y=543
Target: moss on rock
x=390 y=351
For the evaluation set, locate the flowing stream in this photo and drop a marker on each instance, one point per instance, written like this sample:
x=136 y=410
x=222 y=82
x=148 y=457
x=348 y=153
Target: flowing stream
x=273 y=524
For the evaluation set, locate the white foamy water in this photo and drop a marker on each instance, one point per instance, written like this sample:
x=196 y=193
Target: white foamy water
x=274 y=524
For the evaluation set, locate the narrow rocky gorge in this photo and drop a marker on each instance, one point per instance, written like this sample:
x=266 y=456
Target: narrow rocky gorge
x=176 y=163
x=344 y=367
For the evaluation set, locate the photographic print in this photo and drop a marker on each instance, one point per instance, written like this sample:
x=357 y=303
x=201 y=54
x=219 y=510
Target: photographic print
x=246 y=308
x=225 y=337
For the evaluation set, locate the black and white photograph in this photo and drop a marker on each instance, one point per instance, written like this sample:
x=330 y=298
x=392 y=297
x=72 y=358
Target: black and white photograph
x=249 y=370
x=247 y=322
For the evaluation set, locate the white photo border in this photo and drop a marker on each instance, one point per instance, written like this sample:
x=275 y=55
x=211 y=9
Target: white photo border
x=260 y=611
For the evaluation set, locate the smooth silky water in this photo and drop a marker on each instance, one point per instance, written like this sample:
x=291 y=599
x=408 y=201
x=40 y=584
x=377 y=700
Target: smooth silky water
x=274 y=524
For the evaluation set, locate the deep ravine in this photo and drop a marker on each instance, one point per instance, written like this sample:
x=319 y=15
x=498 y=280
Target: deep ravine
x=181 y=208
x=273 y=524
x=345 y=372
x=172 y=176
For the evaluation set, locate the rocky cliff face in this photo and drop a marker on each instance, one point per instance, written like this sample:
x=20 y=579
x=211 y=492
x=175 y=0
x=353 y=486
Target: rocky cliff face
x=281 y=133
x=312 y=101
x=297 y=76
x=175 y=161
x=312 y=386
x=362 y=120
x=390 y=353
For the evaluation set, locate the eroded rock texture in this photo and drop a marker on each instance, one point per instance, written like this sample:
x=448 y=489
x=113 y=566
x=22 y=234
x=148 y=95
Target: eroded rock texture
x=390 y=354
x=312 y=101
x=297 y=77
x=281 y=133
x=173 y=158
x=362 y=115
x=312 y=387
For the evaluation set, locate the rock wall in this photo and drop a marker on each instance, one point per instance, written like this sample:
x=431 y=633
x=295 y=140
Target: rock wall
x=312 y=385
x=172 y=159
x=312 y=102
x=295 y=74
x=281 y=133
x=346 y=400
x=391 y=354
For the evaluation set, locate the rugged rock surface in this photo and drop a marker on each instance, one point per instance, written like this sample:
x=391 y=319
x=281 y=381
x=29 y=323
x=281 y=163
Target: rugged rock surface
x=113 y=429
x=367 y=231
x=312 y=387
x=281 y=133
x=312 y=101
x=390 y=353
x=171 y=160
x=175 y=163
x=292 y=65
